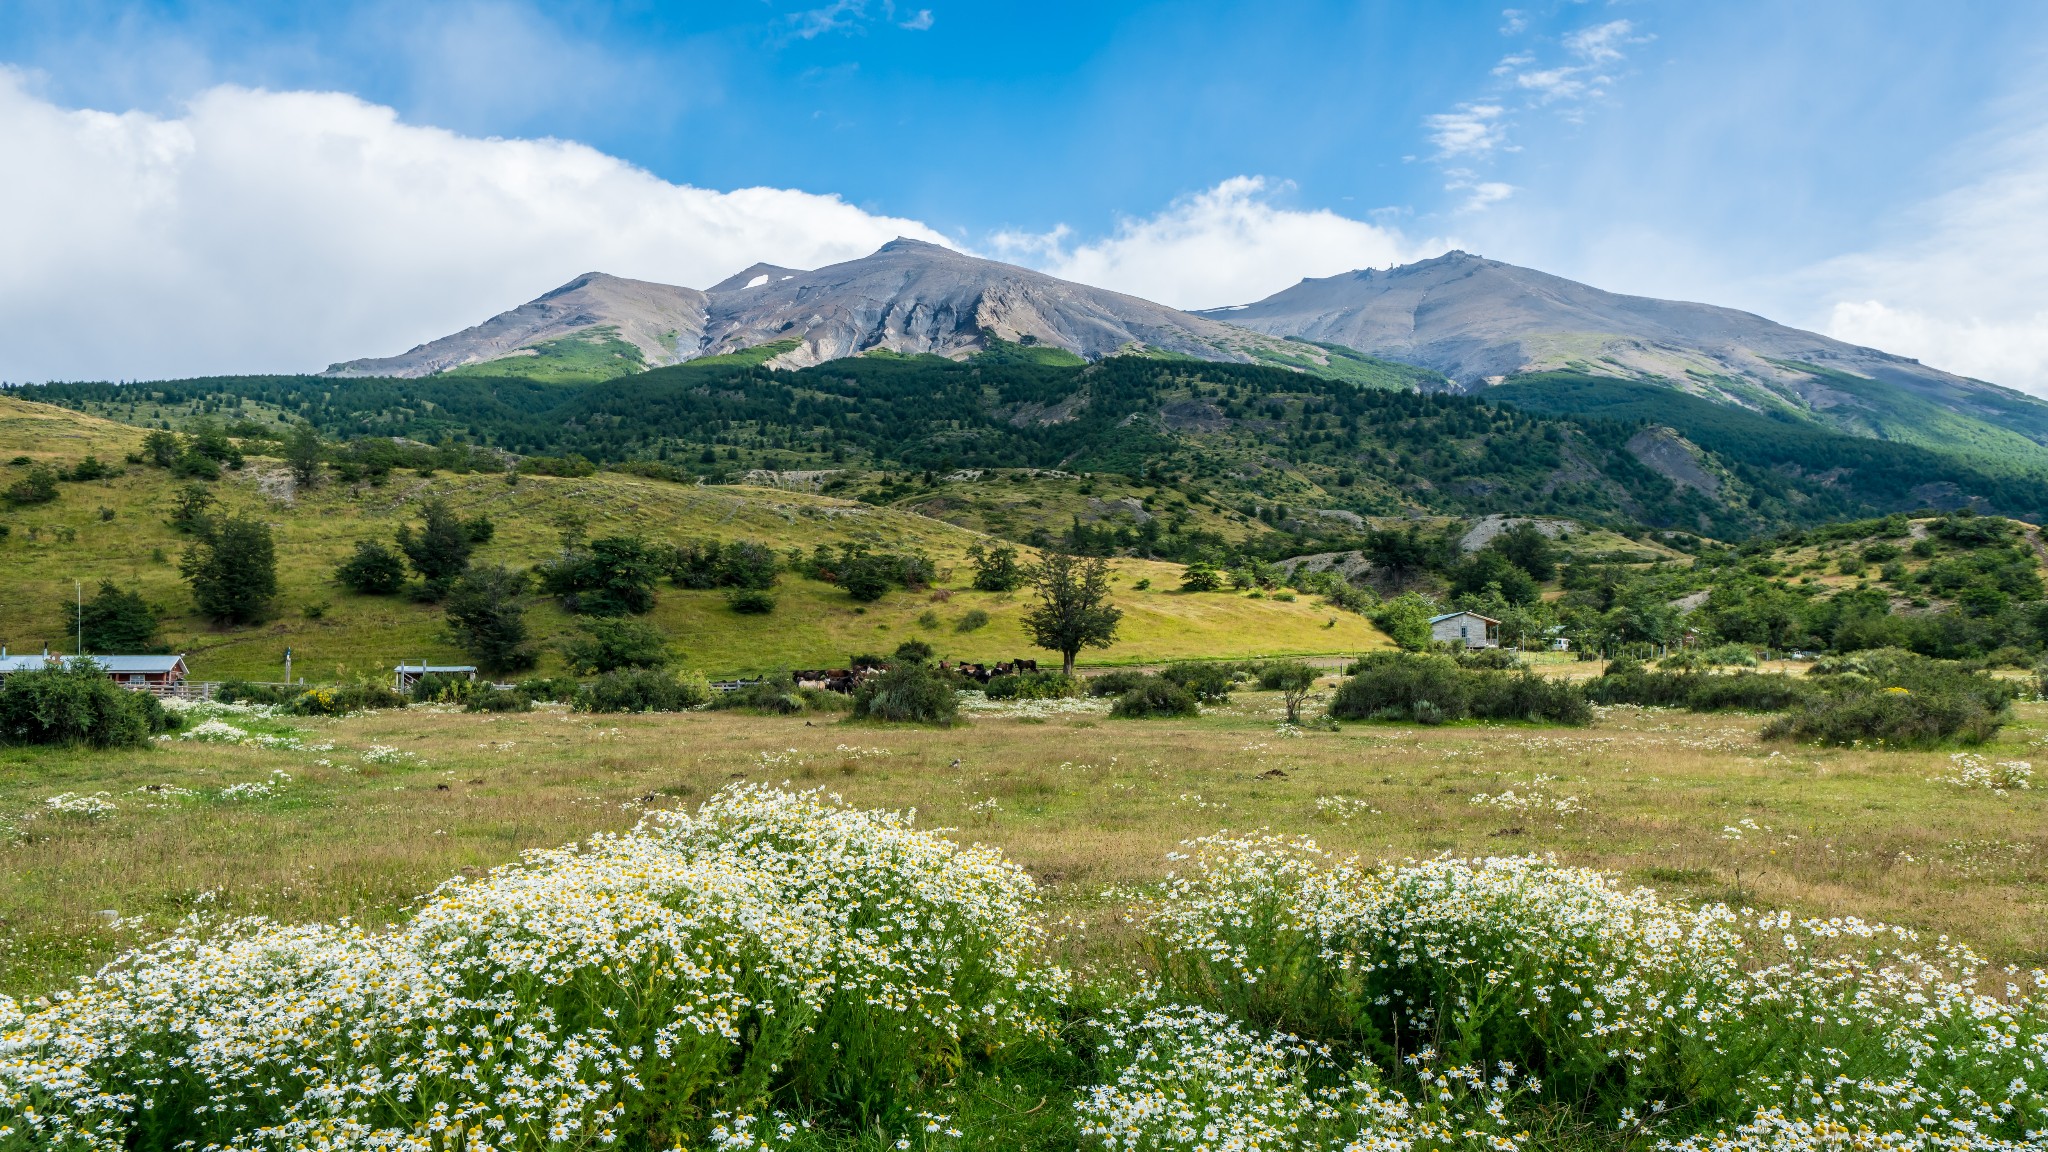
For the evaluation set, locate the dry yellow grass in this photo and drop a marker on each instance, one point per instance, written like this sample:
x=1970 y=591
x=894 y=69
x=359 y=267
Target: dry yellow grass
x=1086 y=802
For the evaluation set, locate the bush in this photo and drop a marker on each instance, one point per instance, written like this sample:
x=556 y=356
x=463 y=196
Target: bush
x=243 y=692
x=1433 y=689
x=611 y=576
x=609 y=644
x=559 y=689
x=486 y=618
x=910 y=692
x=642 y=690
x=1896 y=699
x=1404 y=686
x=232 y=568
x=1033 y=686
x=1627 y=682
x=750 y=601
x=441 y=688
x=1154 y=696
x=1525 y=696
x=1490 y=659
x=491 y=698
x=75 y=703
x=1209 y=682
x=342 y=699
x=374 y=570
x=973 y=620
x=38 y=486
x=1115 y=683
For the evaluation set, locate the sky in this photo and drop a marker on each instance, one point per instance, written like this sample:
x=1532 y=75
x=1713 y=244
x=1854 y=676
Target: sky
x=200 y=188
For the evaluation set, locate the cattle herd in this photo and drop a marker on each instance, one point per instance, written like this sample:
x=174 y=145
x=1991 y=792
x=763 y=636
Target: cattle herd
x=847 y=679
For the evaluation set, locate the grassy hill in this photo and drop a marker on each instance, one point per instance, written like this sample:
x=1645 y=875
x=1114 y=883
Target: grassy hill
x=116 y=529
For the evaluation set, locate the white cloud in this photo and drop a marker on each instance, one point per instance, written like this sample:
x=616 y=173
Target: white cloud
x=1471 y=130
x=1968 y=292
x=264 y=231
x=921 y=22
x=1227 y=245
x=1601 y=44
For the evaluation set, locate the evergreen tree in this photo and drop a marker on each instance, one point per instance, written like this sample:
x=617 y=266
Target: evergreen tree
x=302 y=454
x=1073 y=611
x=995 y=569
x=113 y=621
x=232 y=568
x=487 y=620
x=440 y=550
x=193 y=509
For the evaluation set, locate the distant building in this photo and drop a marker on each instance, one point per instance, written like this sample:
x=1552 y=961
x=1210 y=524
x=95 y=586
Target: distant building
x=1469 y=628
x=152 y=673
x=409 y=674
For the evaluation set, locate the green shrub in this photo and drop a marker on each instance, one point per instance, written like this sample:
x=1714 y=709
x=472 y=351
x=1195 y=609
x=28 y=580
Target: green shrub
x=491 y=698
x=974 y=619
x=910 y=692
x=1628 y=682
x=1154 y=696
x=1426 y=689
x=1114 y=683
x=750 y=601
x=1208 y=682
x=611 y=643
x=1896 y=699
x=1490 y=659
x=75 y=703
x=342 y=699
x=373 y=570
x=1033 y=686
x=38 y=486
x=1525 y=696
x=243 y=692
x=559 y=689
x=642 y=690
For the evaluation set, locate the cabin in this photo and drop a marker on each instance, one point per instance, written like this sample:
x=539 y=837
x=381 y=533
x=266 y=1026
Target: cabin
x=410 y=674
x=143 y=673
x=1469 y=628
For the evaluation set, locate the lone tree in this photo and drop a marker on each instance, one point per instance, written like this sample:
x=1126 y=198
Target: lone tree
x=1293 y=679
x=487 y=620
x=1073 y=611
x=232 y=568
x=302 y=454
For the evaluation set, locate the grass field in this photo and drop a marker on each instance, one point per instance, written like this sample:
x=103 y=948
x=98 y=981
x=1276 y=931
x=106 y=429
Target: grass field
x=1086 y=802
x=116 y=529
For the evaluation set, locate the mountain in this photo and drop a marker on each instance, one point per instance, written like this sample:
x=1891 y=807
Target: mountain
x=908 y=297
x=641 y=323
x=1481 y=322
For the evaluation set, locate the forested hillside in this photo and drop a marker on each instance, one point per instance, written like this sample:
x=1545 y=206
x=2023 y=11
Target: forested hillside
x=1281 y=447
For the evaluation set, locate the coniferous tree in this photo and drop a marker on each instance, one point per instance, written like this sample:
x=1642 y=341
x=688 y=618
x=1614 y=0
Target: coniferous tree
x=488 y=621
x=440 y=550
x=232 y=568
x=302 y=454
x=113 y=621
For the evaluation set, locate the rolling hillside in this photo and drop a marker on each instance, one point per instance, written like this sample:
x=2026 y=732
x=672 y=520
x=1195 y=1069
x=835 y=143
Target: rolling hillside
x=116 y=529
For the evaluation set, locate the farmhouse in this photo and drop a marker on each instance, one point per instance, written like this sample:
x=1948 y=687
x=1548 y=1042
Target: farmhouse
x=150 y=673
x=1468 y=628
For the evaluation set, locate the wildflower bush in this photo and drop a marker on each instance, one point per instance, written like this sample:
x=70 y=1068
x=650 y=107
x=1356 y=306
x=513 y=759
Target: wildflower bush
x=667 y=987
x=1712 y=1029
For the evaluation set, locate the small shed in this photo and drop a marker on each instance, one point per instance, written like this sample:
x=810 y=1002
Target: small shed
x=410 y=674
x=146 y=673
x=1468 y=628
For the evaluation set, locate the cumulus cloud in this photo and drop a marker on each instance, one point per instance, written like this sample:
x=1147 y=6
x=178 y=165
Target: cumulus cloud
x=920 y=21
x=1969 y=291
x=1227 y=245
x=266 y=231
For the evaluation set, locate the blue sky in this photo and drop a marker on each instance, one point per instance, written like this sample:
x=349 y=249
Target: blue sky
x=1857 y=167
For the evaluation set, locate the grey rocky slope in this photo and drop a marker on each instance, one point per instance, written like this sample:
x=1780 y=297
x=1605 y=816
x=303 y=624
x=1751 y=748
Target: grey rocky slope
x=1480 y=321
x=664 y=321
x=908 y=297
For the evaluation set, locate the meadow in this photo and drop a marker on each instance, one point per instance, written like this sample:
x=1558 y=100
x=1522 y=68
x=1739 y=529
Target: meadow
x=1692 y=805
